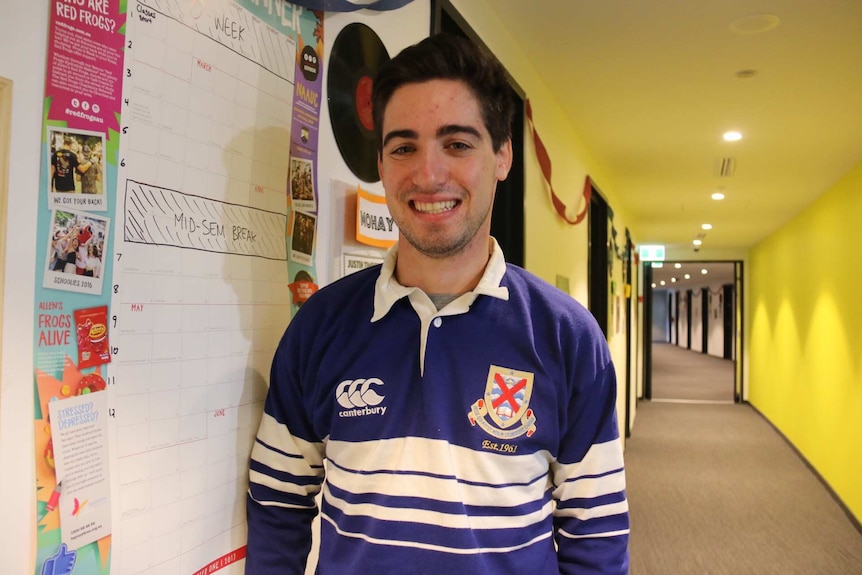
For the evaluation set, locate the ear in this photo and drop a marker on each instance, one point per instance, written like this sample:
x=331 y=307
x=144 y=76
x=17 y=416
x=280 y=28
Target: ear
x=504 y=160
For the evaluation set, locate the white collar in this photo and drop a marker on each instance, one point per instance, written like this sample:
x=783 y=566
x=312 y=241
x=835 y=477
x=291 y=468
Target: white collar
x=387 y=290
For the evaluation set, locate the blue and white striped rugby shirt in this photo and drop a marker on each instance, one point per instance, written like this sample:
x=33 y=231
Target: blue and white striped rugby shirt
x=479 y=439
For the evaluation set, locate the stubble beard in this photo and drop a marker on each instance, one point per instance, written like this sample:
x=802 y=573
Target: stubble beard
x=438 y=244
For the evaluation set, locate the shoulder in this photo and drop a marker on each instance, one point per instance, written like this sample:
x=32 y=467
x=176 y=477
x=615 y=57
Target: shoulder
x=347 y=295
x=549 y=307
x=529 y=287
x=334 y=312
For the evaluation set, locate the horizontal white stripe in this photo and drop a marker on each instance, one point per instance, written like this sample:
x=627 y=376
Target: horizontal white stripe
x=305 y=456
x=591 y=487
x=600 y=459
x=593 y=512
x=416 y=466
x=438 y=457
x=568 y=535
x=277 y=435
x=280 y=504
x=429 y=517
x=442 y=489
x=283 y=486
x=415 y=545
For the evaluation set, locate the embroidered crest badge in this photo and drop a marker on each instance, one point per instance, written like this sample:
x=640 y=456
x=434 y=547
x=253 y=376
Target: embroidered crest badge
x=504 y=411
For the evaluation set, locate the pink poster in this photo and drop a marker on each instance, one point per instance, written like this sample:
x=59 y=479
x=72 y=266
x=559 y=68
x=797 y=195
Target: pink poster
x=85 y=60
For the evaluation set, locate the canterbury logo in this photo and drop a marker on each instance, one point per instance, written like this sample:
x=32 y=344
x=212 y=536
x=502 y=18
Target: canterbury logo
x=359 y=393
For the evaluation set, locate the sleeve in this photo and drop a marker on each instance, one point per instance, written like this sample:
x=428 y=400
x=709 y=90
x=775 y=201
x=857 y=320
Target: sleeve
x=591 y=519
x=285 y=474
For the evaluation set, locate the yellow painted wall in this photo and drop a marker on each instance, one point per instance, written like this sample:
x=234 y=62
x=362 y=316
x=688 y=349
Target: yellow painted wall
x=805 y=358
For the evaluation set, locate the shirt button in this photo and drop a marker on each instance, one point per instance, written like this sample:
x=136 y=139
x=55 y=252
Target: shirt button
x=438 y=322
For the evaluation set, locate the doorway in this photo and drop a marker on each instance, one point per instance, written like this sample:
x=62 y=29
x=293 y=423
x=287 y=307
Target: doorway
x=695 y=356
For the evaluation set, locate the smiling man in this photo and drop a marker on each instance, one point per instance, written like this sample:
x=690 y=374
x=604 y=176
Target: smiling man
x=456 y=412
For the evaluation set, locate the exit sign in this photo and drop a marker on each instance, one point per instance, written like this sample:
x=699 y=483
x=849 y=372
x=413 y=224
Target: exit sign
x=651 y=253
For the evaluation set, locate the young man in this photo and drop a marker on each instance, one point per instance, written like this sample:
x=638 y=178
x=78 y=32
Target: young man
x=457 y=412
x=64 y=164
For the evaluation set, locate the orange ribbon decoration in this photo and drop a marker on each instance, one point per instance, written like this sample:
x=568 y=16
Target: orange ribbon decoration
x=545 y=164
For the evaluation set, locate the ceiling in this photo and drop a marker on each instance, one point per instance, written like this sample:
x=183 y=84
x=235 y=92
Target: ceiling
x=650 y=86
x=692 y=275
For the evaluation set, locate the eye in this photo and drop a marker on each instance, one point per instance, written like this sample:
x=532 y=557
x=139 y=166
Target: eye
x=401 y=150
x=459 y=146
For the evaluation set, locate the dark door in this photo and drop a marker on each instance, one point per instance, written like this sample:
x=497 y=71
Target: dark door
x=647 y=329
x=704 y=319
x=507 y=217
x=599 y=262
x=628 y=293
x=688 y=319
x=671 y=295
x=727 y=310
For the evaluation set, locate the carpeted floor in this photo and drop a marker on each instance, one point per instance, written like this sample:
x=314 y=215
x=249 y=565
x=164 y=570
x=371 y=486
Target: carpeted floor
x=679 y=373
x=714 y=489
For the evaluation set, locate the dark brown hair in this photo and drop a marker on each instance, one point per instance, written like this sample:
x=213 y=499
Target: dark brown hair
x=447 y=57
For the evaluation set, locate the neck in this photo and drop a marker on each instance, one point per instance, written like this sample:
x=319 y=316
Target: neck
x=455 y=274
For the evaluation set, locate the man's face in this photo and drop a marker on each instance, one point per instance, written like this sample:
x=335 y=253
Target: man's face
x=439 y=168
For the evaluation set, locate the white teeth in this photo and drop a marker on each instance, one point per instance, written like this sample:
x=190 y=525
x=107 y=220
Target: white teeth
x=434 y=207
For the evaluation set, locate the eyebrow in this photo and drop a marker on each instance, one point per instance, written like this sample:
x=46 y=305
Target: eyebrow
x=408 y=134
x=447 y=130
x=450 y=129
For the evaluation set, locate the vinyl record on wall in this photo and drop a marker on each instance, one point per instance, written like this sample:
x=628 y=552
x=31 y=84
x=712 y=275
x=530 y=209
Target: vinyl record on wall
x=357 y=55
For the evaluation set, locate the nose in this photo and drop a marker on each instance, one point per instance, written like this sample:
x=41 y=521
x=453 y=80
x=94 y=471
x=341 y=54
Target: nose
x=430 y=169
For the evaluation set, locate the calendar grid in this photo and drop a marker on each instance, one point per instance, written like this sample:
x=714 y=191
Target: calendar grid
x=201 y=285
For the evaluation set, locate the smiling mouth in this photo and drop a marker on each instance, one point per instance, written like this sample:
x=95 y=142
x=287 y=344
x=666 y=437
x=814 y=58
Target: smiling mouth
x=434 y=207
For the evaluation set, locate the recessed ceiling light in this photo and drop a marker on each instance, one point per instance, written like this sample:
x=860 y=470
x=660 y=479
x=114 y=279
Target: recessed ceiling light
x=653 y=285
x=704 y=271
x=687 y=276
x=662 y=282
x=697 y=242
x=731 y=136
x=717 y=196
x=677 y=265
x=755 y=24
x=706 y=226
x=673 y=280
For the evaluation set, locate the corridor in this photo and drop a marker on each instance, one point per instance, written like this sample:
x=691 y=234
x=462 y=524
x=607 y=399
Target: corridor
x=714 y=489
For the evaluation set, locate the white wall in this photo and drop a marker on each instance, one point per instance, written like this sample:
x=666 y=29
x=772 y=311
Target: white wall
x=24 y=46
x=697 y=320
x=715 y=329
